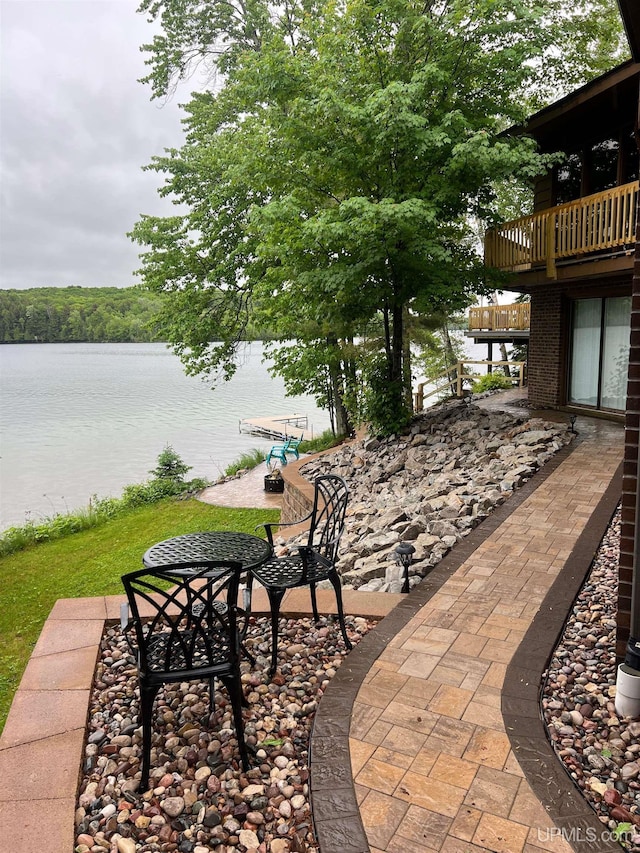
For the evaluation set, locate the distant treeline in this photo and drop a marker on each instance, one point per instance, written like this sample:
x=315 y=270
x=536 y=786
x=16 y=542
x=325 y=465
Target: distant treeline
x=78 y=314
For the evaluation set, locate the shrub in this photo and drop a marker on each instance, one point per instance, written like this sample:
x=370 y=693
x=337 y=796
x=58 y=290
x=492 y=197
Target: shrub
x=323 y=441
x=385 y=407
x=251 y=459
x=138 y=494
x=491 y=382
x=170 y=466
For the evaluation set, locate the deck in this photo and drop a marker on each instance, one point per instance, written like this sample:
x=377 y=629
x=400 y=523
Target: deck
x=598 y=225
x=278 y=427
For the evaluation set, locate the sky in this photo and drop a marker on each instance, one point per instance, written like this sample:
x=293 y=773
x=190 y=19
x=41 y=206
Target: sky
x=75 y=130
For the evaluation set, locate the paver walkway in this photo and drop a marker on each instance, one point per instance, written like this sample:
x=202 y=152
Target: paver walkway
x=432 y=760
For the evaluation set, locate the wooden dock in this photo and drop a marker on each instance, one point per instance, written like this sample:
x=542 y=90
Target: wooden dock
x=280 y=427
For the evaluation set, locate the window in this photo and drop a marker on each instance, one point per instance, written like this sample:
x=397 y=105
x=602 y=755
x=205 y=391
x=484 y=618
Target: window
x=585 y=351
x=603 y=166
x=600 y=352
x=569 y=179
x=629 y=158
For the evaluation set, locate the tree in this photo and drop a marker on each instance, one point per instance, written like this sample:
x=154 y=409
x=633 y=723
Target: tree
x=170 y=466
x=330 y=182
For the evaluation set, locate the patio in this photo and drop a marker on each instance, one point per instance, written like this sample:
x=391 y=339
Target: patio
x=429 y=736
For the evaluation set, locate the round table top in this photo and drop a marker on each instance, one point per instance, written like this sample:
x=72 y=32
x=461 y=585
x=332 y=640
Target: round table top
x=244 y=548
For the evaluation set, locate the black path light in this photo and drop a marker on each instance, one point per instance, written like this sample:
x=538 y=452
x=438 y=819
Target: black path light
x=404 y=552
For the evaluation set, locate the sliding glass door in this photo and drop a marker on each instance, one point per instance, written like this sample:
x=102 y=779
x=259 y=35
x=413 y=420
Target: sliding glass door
x=600 y=352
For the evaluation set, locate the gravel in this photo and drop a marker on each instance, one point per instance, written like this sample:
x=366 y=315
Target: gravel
x=599 y=750
x=199 y=799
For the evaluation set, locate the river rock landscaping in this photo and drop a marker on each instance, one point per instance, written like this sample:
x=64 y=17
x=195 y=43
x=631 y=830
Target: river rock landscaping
x=199 y=799
x=600 y=751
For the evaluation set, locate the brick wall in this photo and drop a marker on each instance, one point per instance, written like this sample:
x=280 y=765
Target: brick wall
x=629 y=481
x=297 y=501
x=546 y=364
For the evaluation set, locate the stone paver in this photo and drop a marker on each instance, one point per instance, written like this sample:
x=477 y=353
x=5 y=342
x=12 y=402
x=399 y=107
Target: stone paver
x=463 y=790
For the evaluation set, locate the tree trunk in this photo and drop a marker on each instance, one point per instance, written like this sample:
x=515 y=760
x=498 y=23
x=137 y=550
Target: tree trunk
x=493 y=300
x=343 y=425
x=450 y=359
x=505 y=357
x=397 y=346
x=406 y=361
x=343 y=422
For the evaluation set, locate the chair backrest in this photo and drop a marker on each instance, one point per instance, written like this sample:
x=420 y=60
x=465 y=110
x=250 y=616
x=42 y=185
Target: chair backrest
x=327 y=517
x=184 y=615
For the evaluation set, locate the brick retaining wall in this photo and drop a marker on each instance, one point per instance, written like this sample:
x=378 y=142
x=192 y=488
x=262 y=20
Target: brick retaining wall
x=297 y=500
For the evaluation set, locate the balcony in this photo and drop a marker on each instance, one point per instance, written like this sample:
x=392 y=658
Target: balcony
x=599 y=225
x=500 y=318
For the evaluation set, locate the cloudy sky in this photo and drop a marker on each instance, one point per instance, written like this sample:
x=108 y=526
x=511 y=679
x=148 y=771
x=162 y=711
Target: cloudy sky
x=75 y=129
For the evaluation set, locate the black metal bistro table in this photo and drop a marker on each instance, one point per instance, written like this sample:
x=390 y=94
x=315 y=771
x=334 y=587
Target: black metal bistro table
x=244 y=548
x=224 y=545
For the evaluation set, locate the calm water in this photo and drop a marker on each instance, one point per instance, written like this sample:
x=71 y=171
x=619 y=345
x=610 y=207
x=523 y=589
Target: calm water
x=84 y=419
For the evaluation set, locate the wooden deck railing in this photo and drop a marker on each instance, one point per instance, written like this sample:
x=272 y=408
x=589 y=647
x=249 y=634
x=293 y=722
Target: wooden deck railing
x=500 y=317
x=453 y=381
x=597 y=223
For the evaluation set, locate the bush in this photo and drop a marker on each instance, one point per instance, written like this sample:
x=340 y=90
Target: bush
x=491 y=382
x=251 y=459
x=18 y=538
x=170 y=466
x=385 y=407
x=323 y=441
x=138 y=494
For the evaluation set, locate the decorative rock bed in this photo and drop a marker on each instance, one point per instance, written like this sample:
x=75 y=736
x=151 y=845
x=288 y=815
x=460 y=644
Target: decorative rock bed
x=431 y=486
x=199 y=799
x=600 y=751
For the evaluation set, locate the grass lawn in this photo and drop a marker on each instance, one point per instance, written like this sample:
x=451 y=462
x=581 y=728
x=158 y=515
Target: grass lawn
x=91 y=563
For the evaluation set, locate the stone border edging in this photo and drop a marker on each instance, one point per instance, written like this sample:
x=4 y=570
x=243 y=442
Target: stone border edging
x=521 y=693
x=334 y=806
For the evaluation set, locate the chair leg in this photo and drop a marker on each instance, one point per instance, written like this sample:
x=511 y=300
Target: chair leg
x=247 y=654
x=245 y=610
x=275 y=599
x=314 y=602
x=335 y=581
x=147 y=698
x=234 y=688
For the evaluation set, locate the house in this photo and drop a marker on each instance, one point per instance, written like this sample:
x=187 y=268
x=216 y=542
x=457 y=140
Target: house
x=574 y=254
x=578 y=257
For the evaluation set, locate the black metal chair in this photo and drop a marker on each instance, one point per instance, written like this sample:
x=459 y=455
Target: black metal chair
x=184 y=627
x=313 y=562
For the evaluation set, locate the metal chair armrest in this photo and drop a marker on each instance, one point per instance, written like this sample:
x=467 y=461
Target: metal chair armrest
x=269 y=526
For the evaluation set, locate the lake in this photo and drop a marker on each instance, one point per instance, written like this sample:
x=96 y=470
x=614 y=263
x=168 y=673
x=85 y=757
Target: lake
x=78 y=420
x=84 y=419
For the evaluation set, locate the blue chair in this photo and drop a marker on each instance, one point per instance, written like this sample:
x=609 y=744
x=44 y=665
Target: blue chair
x=281 y=451
x=278 y=451
x=292 y=447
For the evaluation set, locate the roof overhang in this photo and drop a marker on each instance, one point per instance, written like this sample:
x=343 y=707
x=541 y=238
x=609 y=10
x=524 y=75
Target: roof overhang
x=610 y=99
